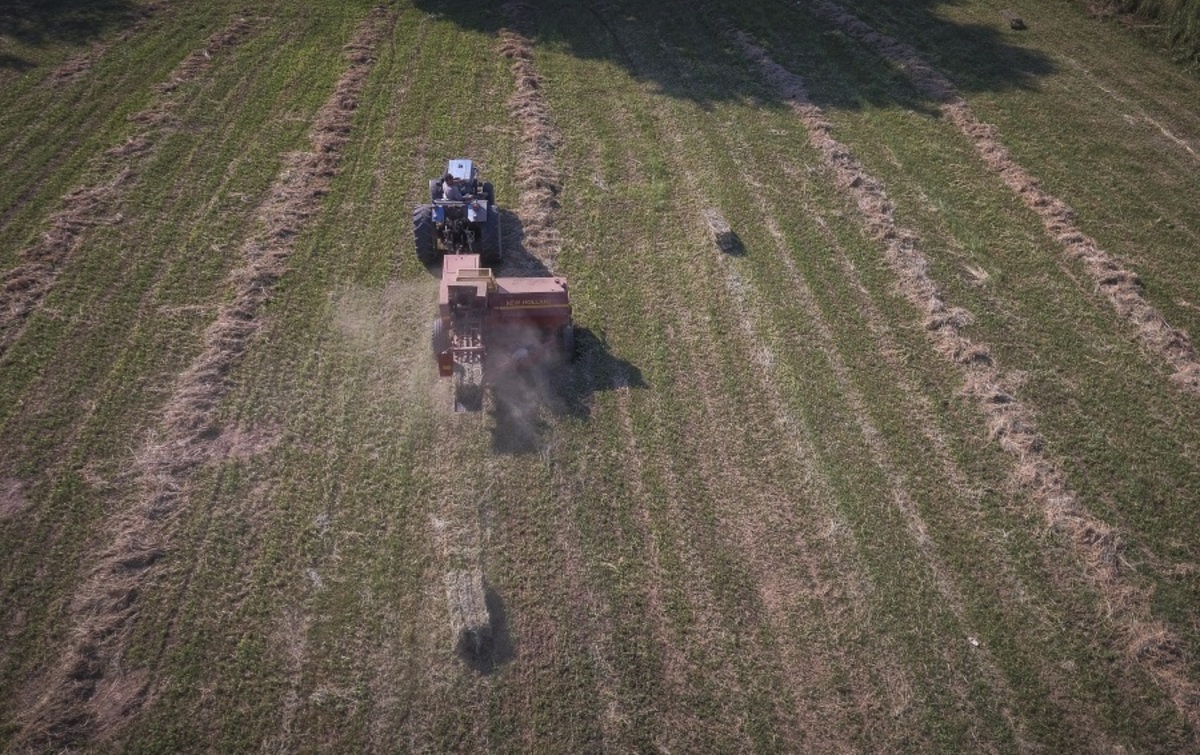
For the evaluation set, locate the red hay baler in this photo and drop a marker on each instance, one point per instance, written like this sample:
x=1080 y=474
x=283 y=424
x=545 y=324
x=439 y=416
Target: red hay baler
x=489 y=327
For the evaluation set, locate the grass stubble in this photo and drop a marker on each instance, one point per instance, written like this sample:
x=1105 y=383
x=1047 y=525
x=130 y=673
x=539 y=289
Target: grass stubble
x=90 y=692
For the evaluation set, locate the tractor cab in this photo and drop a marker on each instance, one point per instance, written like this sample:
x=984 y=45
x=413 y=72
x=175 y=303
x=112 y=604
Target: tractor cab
x=446 y=226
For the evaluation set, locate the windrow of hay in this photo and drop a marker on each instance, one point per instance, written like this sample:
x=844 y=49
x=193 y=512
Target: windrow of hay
x=23 y=288
x=76 y=66
x=1121 y=285
x=71 y=705
x=1148 y=643
x=537 y=174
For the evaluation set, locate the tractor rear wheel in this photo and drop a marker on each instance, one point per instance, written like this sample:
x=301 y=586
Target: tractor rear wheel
x=488 y=194
x=492 y=251
x=424 y=236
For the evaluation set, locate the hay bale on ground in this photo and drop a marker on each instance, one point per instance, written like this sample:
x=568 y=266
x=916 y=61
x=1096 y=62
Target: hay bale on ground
x=723 y=235
x=470 y=622
x=1014 y=20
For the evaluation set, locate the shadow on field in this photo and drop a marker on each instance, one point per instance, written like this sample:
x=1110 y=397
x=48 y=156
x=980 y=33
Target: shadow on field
x=498 y=648
x=523 y=403
x=42 y=22
x=681 y=49
x=518 y=261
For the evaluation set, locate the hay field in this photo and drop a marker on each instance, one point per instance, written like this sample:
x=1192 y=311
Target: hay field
x=883 y=434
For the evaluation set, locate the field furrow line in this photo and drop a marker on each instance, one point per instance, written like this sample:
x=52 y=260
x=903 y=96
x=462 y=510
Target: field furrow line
x=65 y=710
x=676 y=667
x=1148 y=643
x=1118 y=283
x=537 y=174
x=901 y=498
x=781 y=553
x=922 y=408
x=786 y=574
x=751 y=525
x=22 y=288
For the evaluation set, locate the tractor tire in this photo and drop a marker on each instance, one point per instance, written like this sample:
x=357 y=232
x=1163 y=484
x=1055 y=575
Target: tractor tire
x=492 y=251
x=435 y=189
x=488 y=194
x=568 y=343
x=438 y=338
x=424 y=234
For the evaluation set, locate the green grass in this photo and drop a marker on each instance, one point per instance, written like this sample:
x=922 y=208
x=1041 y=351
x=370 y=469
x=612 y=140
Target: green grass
x=712 y=545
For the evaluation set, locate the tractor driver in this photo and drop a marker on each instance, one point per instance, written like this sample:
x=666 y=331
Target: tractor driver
x=451 y=190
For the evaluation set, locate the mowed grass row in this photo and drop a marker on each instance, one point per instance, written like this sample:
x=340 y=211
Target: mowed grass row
x=82 y=386
x=694 y=541
x=644 y=537
x=334 y=630
x=54 y=130
x=1128 y=162
x=877 y=527
x=1124 y=436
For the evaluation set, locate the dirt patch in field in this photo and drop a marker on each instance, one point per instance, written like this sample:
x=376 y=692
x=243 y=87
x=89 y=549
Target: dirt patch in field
x=1119 y=284
x=23 y=288
x=1011 y=423
x=537 y=174
x=12 y=497
x=107 y=605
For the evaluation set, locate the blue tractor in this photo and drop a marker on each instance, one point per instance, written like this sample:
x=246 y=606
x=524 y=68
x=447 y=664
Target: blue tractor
x=466 y=225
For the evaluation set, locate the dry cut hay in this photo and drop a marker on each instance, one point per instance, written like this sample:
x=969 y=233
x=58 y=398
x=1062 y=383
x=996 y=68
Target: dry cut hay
x=75 y=67
x=470 y=622
x=718 y=226
x=537 y=173
x=23 y=288
x=1120 y=285
x=1011 y=423
x=90 y=682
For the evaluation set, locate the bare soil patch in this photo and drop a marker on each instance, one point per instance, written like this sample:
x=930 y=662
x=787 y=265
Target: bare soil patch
x=1010 y=423
x=107 y=606
x=1119 y=284
x=23 y=288
x=12 y=497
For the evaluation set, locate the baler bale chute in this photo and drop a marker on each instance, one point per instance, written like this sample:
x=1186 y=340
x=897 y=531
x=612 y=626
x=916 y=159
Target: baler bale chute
x=452 y=226
x=489 y=327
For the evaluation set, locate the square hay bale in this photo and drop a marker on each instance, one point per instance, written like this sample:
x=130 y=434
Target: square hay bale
x=470 y=622
x=723 y=235
x=1014 y=20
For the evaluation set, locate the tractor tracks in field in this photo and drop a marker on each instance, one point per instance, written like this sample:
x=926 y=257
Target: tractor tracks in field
x=75 y=701
x=1148 y=643
x=1120 y=285
x=119 y=168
